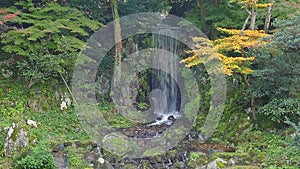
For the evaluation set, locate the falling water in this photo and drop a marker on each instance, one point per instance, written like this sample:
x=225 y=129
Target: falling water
x=164 y=95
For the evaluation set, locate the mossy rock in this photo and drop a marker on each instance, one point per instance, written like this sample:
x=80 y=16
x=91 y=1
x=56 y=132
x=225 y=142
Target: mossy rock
x=156 y=151
x=116 y=144
x=18 y=140
x=239 y=158
x=178 y=165
x=220 y=164
x=109 y=156
x=40 y=102
x=171 y=154
x=80 y=143
x=145 y=164
x=244 y=167
x=197 y=159
x=130 y=166
x=229 y=155
x=76 y=160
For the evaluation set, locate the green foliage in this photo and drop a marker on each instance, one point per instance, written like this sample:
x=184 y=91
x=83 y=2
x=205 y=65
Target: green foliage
x=76 y=160
x=12 y=101
x=197 y=159
x=280 y=110
x=287 y=34
x=135 y=6
x=275 y=79
x=61 y=126
x=268 y=149
x=48 y=26
x=46 y=39
x=39 y=157
x=284 y=9
x=235 y=121
x=115 y=119
x=296 y=135
x=97 y=10
x=226 y=14
x=40 y=69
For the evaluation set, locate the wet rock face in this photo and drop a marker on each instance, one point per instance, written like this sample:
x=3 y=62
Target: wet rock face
x=16 y=139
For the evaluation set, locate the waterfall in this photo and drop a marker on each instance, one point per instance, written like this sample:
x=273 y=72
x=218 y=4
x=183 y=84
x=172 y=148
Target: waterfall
x=164 y=95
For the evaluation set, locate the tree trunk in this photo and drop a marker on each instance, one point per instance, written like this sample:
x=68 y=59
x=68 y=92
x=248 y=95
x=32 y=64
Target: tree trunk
x=69 y=90
x=202 y=11
x=118 y=41
x=268 y=17
x=253 y=108
x=252 y=104
x=253 y=17
x=118 y=91
x=216 y=3
x=246 y=20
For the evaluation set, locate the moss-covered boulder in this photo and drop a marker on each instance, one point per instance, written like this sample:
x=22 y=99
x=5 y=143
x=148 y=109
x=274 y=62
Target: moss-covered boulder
x=116 y=144
x=217 y=164
x=130 y=166
x=197 y=159
x=233 y=158
x=17 y=139
x=145 y=164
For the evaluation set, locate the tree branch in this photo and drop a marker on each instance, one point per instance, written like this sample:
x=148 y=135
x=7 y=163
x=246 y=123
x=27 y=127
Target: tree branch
x=68 y=88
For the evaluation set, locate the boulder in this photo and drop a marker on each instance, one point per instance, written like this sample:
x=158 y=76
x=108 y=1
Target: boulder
x=197 y=159
x=216 y=164
x=32 y=123
x=16 y=139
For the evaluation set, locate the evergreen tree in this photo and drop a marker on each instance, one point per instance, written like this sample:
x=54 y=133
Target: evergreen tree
x=275 y=81
x=45 y=40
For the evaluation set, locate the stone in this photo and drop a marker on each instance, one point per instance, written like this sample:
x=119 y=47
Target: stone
x=101 y=160
x=197 y=159
x=178 y=165
x=130 y=166
x=39 y=102
x=231 y=162
x=32 y=123
x=63 y=105
x=217 y=164
x=11 y=130
x=61 y=159
x=145 y=164
x=116 y=143
x=16 y=139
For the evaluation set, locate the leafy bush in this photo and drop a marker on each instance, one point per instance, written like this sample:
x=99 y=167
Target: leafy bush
x=46 y=39
x=268 y=150
x=12 y=101
x=62 y=126
x=280 y=110
x=39 y=157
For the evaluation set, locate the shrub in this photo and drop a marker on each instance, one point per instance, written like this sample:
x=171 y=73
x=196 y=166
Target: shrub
x=39 y=157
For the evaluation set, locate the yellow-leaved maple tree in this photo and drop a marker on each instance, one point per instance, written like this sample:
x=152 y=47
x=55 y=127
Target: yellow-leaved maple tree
x=235 y=44
x=232 y=50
